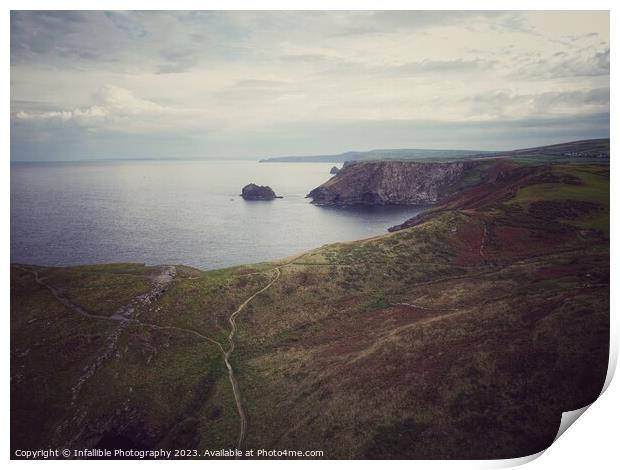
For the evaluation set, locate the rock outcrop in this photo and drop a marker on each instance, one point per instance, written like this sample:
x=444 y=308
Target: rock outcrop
x=385 y=183
x=334 y=170
x=254 y=192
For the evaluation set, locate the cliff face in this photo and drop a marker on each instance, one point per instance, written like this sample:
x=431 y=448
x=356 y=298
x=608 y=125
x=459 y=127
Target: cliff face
x=387 y=182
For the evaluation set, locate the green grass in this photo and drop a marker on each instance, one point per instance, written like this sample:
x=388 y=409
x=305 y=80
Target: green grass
x=98 y=289
x=536 y=160
x=593 y=187
x=598 y=222
x=323 y=359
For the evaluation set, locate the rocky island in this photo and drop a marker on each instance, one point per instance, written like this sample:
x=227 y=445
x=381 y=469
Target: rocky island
x=391 y=182
x=254 y=192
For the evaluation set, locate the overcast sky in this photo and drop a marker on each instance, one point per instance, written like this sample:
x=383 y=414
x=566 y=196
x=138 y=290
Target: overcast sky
x=88 y=85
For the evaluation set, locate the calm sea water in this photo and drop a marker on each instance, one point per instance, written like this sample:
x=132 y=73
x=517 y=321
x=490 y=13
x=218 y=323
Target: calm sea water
x=176 y=212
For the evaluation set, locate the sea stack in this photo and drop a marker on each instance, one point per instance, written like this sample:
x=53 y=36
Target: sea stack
x=254 y=192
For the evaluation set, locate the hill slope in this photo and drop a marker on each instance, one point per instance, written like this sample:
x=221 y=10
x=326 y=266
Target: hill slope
x=462 y=334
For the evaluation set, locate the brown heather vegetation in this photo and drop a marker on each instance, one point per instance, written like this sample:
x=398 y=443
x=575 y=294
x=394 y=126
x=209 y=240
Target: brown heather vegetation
x=464 y=334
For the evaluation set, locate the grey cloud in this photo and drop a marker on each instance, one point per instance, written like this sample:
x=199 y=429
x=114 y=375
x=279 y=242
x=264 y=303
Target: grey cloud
x=178 y=60
x=241 y=83
x=156 y=41
x=502 y=104
x=595 y=65
x=421 y=19
x=258 y=84
x=497 y=104
x=595 y=97
x=331 y=64
x=126 y=24
x=255 y=90
x=575 y=38
x=32 y=106
x=444 y=66
x=588 y=63
x=54 y=37
x=43 y=25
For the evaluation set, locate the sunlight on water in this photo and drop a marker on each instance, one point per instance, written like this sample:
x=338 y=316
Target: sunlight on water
x=184 y=212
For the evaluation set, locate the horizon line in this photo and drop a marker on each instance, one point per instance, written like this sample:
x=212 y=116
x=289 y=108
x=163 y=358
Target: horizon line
x=258 y=159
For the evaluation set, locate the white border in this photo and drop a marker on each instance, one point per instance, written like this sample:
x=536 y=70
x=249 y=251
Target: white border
x=591 y=443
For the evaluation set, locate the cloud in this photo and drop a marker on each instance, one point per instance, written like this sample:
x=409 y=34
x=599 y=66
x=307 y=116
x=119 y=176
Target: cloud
x=429 y=66
x=504 y=104
x=110 y=104
x=177 y=60
x=595 y=64
x=585 y=100
x=117 y=100
x=567 y=65
x=216 y=79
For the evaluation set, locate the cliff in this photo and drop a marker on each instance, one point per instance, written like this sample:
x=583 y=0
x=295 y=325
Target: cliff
x=387 y=182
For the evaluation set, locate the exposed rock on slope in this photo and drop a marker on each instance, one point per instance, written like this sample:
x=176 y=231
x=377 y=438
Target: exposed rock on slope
x=253 y=192
x=383 y=183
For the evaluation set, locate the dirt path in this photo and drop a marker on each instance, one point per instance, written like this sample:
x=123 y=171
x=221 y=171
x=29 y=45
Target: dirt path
x=403 y=304
x=161 y=282
x=124 y=315
x=243 y=421
x=483 y=241
x=64 y=300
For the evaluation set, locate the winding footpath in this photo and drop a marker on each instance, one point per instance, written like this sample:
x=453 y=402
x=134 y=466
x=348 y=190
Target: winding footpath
x=483 y=241
x=160 y=285
x=66 y=302
x=243 y=421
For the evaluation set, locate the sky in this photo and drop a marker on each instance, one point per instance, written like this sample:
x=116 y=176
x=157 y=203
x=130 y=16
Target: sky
x=201 y=84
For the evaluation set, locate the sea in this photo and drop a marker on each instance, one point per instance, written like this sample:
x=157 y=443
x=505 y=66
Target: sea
x=177 y=212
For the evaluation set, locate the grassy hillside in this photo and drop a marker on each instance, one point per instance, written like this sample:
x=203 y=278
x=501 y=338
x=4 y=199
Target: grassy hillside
x=464 y=333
